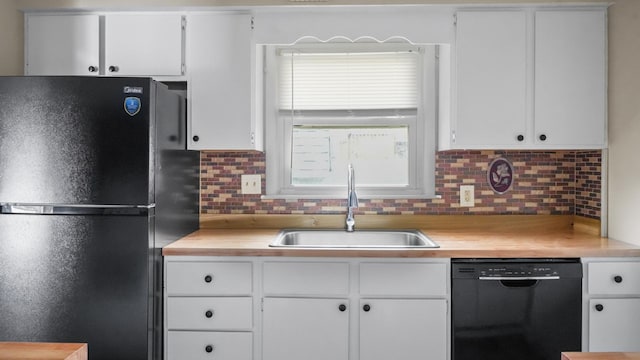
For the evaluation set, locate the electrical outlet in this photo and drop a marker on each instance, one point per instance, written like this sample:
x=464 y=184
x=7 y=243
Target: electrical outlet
x=251 y=184
x=467 y=197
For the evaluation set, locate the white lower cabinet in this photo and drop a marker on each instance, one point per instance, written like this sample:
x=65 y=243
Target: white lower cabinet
x=612 y=304
x=614 y=325
x=285 y=308
x=310 y=329
x=209 y=310
x=403 y=329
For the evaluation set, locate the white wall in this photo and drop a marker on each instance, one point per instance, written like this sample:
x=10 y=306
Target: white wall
x=624 y=121
x=11 y=34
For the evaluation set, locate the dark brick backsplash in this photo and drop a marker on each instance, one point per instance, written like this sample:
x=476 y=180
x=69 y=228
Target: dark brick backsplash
x=545 y=182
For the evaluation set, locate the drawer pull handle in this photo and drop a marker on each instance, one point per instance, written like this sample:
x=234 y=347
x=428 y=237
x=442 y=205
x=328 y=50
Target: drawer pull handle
x=342 y=307
x=366 y=307
x=208 y=278
x=599 y=307
x=209 y=314
x=617 y=279
x=208 y=348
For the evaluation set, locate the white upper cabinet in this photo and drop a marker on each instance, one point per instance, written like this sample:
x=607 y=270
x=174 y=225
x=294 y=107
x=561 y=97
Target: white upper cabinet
x=143 y=44
x=220 y=62
x=529 y=79
x=491 y=91
x=570 y=78
x=62 y=44
x=116 y=44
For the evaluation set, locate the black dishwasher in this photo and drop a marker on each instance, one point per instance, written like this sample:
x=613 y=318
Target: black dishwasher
x=526 y=309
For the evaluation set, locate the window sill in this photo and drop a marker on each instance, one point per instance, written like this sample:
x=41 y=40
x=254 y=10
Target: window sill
x=361 y=197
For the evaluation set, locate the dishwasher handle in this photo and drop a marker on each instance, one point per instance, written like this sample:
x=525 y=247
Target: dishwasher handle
x=510 y=278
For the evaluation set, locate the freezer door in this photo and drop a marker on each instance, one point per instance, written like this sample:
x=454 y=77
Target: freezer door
x=76 y=140
x=84 y=279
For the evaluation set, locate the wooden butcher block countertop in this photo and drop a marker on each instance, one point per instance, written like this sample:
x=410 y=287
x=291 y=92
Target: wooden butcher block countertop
x=42 y=351
x=534 y=237
x=600 y=356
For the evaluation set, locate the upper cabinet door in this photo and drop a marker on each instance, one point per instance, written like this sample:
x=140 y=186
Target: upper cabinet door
x=570 y=78
x=143 y=44
x=62 y=44
x=491 y=69
x=220 y=59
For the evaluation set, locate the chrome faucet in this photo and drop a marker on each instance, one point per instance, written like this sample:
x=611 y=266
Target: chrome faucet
x=352 y=199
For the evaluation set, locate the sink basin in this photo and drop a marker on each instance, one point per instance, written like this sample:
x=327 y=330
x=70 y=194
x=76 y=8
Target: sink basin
x=333 y=238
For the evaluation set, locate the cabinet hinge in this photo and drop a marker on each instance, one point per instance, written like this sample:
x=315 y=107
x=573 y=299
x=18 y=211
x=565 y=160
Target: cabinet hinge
x=262 y=305
x=453 y=137
x=455 y=19
x=253 y=23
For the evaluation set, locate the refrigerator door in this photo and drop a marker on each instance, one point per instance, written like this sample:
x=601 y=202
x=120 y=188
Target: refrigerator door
x=78 y=278
x=76 y=140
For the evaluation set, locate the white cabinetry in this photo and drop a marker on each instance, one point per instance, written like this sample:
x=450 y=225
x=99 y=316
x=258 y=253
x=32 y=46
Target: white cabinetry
x=62 y=44
x=143 y=44
x=570 y=78
x=305 y=328
x=220 y=62
x=612 y=304
x=209 y=310
x=117 y=44
x=403 y=310
x=491 y=87
x=285 y=308
x=529 y=79
x=355 y=310
x=305 y=310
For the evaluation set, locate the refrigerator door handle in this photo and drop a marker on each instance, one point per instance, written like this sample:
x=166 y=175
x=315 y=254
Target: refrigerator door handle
x=66 y=209
x=26 y=209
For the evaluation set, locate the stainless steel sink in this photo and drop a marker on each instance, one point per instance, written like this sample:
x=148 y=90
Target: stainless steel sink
x=333 y=238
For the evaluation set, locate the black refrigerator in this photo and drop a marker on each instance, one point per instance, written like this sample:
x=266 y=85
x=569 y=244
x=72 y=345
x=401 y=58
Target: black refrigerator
x=95 y=179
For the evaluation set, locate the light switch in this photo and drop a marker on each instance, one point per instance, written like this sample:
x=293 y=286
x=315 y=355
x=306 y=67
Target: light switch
x=251 y=184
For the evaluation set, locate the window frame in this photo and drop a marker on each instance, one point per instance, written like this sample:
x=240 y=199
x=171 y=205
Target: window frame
x=422 y=136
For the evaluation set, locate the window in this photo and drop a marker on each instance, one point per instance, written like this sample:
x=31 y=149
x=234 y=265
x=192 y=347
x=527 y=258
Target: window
x=372 y=105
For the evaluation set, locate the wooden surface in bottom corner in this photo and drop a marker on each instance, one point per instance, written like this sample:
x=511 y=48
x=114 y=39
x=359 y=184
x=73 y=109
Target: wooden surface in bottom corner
x=42 y=351
x=600 y=356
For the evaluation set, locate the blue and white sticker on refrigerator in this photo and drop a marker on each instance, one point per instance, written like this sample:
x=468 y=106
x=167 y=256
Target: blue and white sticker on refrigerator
x=132 y=104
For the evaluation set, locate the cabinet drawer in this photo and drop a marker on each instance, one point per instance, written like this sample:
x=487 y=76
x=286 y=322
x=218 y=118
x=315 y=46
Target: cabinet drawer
x=412 y=279
x=308 y=278
x=182 y=345
x=209 y=313
x=209 y=278
x=614 y=278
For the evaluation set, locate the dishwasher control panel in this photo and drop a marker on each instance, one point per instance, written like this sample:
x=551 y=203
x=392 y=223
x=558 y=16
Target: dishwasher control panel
x=533 y=268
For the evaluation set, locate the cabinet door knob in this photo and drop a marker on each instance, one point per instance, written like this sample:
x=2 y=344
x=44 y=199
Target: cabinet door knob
x=542 y=137
x=617 y=279
x=520 y=137
x=113 y=68
x=366 y=307
x=599 y=307
x=93 y=69
x=196 y=138
x=342 y=307
x=209 y=314
x=208 y=348
x=208 y=278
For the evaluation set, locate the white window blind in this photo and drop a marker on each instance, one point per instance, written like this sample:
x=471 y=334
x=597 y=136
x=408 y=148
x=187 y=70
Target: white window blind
x=348 y=81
